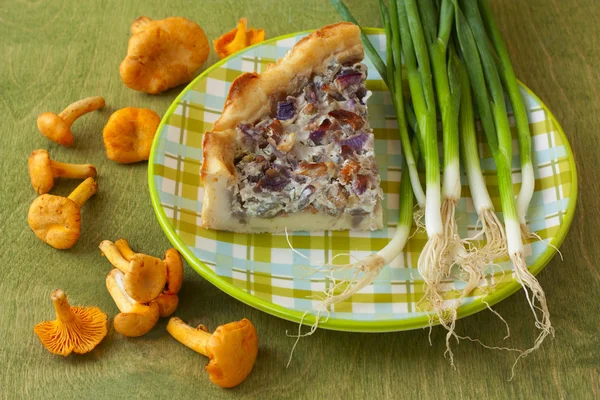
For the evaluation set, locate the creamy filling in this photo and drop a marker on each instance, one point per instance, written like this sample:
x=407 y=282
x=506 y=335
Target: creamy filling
x=315 y=153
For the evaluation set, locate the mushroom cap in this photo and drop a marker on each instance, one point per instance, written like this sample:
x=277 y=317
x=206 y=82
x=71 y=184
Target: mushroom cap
x=55 y=128
x=146 y=278
x=232 y=350
x=167 y=304
x=128 y=134
x=40 y=171
x=163 y=54
x=138 y=323
x=174 y=271
x=55 y=220
x=79 y=331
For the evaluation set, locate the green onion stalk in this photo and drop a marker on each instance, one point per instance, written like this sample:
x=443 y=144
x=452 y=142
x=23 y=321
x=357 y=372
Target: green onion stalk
x=432 y=266
x=523 y=133
x=437 y=35
x=489 y=97
x=394 y=64
x=437 y=31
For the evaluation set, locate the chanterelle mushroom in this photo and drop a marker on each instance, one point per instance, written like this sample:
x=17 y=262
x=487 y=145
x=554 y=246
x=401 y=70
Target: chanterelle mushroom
x=135 y=319
x=76 y=329
x=238 y=39
x=56 y=220
x=232 y=348
x=144 y=276
x=128 y=134
x=58 y=127
x=43 y=170
x=163 y=54
x=168 y=300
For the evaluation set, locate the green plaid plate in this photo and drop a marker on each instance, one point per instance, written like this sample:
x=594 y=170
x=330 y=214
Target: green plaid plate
x=262 y=271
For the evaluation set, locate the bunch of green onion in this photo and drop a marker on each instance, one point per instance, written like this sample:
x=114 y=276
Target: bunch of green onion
x=453 y=54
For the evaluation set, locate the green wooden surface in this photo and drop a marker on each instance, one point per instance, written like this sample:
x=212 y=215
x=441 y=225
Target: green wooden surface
x=58 y=51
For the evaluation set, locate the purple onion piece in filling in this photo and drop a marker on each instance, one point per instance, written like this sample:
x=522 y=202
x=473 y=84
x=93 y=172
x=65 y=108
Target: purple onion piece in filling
x=348 y=79
x=250 y=135
x=317 y=135
x=249 y=131
x=246 y=129
x=355 y=142
x=274 y=179
x=286 y=110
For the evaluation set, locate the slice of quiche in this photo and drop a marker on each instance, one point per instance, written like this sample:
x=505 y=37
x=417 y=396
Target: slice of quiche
x=293 y=148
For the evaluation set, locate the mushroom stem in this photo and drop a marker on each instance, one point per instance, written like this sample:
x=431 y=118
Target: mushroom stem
x=76 y=171
x=194 y=338
x=80 y=107
x=64 y=313
x=84 y=191
x=114 y=255
x=124 y=249
x=114 y=284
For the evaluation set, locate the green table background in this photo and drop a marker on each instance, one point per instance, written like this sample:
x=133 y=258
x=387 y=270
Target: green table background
x=58 y=51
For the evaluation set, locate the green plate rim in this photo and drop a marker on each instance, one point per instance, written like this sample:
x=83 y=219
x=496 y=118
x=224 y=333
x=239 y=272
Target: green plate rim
x=336 y=323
